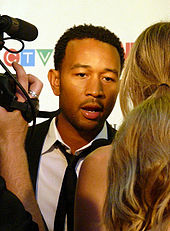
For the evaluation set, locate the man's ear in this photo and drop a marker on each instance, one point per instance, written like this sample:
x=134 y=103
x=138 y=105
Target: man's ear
x=54 y=79
x=119 y=84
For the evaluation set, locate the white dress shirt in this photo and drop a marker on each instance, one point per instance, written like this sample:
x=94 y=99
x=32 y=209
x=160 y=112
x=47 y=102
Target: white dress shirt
x=51 y=172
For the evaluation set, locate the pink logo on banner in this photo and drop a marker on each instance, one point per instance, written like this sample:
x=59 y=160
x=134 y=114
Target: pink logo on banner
x=128 y=47
x=11 y=57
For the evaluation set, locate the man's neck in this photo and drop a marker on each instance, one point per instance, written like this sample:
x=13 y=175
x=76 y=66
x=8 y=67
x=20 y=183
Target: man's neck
x=72 y=137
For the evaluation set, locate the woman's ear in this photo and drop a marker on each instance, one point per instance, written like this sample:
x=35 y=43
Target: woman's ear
x=54 y=79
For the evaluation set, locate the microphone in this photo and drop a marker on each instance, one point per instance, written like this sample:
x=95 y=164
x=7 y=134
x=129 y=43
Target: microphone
x=17 y=28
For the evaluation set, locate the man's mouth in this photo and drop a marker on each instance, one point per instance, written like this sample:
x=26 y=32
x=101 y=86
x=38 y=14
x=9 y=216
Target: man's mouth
x=91 y=112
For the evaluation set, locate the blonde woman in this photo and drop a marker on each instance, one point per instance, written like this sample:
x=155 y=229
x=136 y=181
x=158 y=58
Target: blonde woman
x=138 y=196
x=135 y=192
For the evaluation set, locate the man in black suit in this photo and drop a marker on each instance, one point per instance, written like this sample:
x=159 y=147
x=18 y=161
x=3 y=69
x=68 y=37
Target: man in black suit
x=88 y=63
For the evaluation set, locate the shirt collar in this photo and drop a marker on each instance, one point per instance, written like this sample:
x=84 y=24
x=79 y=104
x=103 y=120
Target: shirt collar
x=102 y=135
x=53 y=135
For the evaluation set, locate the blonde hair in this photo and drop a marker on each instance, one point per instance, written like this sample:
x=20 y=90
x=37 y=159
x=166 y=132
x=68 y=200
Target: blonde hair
x=147 y=66
x=138 y=196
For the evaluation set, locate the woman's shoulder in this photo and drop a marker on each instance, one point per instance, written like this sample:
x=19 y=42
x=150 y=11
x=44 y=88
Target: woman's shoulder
x=99 y=156
x=91 y=189
x=96 y=163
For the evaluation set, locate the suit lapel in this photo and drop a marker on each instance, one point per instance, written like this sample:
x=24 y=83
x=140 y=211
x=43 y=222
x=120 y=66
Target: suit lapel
x=34 y=144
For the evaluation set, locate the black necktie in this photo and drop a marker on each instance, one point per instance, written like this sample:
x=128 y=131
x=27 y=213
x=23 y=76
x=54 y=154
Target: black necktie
x=67 y=193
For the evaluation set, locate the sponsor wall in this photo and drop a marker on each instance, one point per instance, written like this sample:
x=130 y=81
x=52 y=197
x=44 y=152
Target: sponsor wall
x=126 y=18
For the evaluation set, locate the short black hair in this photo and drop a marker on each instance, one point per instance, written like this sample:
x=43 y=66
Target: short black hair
x=82 y=32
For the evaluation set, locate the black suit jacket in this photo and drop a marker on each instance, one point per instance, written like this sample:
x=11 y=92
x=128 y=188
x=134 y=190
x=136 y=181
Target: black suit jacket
x=34 y=143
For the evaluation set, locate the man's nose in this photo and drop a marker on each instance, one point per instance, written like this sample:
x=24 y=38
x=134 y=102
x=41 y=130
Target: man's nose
x=94 y=87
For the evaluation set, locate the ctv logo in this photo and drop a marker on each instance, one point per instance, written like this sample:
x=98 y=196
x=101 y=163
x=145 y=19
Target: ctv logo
x=27 y=56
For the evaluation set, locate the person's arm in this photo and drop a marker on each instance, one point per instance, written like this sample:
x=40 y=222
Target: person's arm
x=13 y=160
x=13 y=216
x=91 y=191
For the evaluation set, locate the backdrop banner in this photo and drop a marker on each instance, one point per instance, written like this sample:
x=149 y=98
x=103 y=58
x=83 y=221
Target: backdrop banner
x=127 y=19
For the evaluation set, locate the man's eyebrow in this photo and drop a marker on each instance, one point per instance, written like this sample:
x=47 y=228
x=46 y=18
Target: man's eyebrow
x=114 y=71
x=80 y=65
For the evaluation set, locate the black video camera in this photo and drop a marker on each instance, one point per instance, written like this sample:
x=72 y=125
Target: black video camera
x=7 y=91
x=8 y=99
x=18 y=30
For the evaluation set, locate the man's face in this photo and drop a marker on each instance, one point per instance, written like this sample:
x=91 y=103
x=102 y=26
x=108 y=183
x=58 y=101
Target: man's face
x=89 y=82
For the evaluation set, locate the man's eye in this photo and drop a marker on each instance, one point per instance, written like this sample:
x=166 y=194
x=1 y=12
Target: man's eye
x=108 y=79
x=81 y=74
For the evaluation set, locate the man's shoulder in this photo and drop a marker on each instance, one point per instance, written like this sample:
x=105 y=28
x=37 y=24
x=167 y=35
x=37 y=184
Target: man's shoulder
x=40 y=128
x=48 y=116
x=36 y=134
x=111 y=132
x=41 y=124
x=110 y=127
